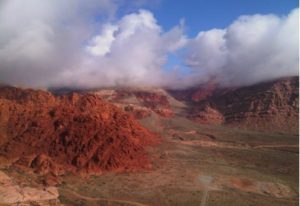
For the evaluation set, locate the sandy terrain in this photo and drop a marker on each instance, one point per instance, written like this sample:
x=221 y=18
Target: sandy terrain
x=243 y=169
x=12 y=193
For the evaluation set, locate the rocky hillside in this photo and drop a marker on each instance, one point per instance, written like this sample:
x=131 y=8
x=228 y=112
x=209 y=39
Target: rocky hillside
x=270 y=106
x=195 y=94
x=70 y=133
x=141 y=102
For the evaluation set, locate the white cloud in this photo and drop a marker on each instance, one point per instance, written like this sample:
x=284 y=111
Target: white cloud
x=55 y=43
x=252 y=49
x=100 y=44
x=41 y=39
x=129 y=52
x=82 y=44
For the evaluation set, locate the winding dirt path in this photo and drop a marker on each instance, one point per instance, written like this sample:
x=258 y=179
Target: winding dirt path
x=102 y=198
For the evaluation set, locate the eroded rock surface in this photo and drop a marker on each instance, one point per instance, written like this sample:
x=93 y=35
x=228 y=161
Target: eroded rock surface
x=12 y=193
x=74 y=132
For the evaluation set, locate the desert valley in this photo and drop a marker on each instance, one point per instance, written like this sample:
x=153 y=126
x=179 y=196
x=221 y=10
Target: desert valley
x=149 y=103
x=151 y=146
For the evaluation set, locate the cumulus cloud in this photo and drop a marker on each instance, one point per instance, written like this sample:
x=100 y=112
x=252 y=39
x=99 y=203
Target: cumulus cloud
x=40 y=39
x=251 y=50
x=129 y=52
x=100 y=44
x=77 y=43
x=59 y=44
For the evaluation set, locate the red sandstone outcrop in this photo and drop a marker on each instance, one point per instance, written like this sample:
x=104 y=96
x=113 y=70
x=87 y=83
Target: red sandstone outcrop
x=207 y=115
x=197 y=93
x=270 y=106
x=138 y=112
x=139 y=102
x=74 y=132
x=152 y=100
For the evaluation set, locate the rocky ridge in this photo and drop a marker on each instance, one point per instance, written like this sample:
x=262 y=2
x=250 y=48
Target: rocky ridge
x=270 y=106
x=139 y=102
x=70 y=133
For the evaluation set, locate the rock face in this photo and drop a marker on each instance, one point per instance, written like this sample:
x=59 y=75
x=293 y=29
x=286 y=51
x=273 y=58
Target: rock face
x=195 y=94
x=207 y=115
x=12 y=193
x=139 y=102
x=270 y=106
x=74 y=132
x=152 y=100
x=137 y=112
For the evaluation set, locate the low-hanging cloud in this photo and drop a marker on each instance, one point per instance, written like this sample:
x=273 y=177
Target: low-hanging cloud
x=252 y=49
x=77 y=43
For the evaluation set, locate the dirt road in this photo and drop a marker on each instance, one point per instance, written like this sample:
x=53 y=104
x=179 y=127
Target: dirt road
x=103 y=199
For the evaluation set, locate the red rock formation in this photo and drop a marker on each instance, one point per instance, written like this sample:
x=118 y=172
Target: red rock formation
x=145 y=101
x=271 y=106
x=204 y=91
x=152 y=100
x=168 y=113
x=207 y=115
x=196 y=93
x=138 y=113
x=76 y=132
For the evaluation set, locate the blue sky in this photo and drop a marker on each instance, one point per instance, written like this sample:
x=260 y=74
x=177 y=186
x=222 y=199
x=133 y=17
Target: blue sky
x=201 y=15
